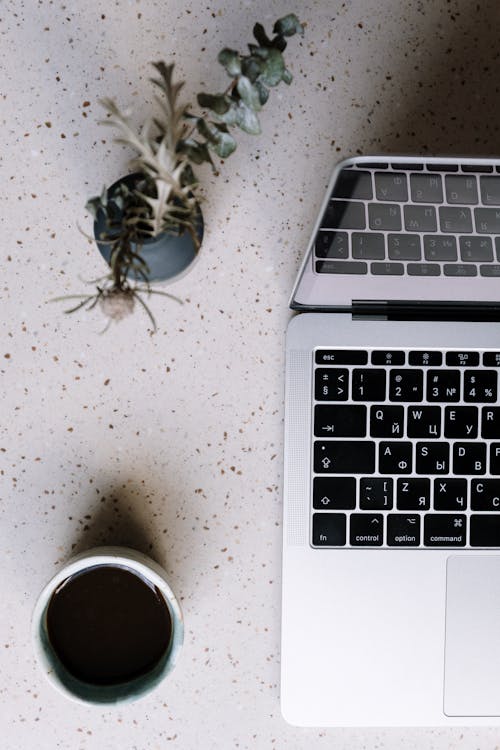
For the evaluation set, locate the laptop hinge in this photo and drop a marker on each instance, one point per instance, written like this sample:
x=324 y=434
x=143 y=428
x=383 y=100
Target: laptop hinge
x=417 y=310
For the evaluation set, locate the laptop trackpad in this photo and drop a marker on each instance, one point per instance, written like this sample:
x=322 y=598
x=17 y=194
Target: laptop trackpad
x=472 y=651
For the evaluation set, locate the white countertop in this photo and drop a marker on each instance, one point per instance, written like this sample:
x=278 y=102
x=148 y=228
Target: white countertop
x=172 y=443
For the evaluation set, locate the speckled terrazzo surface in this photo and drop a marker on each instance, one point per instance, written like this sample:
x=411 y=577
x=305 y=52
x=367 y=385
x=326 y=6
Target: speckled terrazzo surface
x=172 y=443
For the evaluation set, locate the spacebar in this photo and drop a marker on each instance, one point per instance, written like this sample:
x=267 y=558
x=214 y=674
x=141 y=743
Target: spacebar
x=344 y=457
x=485 y=530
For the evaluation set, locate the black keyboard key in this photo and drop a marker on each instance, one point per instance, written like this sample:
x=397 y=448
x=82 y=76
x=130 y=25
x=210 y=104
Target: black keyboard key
x=423 y=269
x=340 y=420
x=353 y=183
x=375 y=165
x=443 y=385
x=344 y=215
x=404 y=247
x=368 y=246
x=387 y=269
x=437 y=247
x=425 y=358
x=344 y=457
x=477 y=168
x=391 y=186
x=490 y=422
x=349 y=267
x=388 y=357
x=492 y=271
x=455 y=219
x=461 y=422
x=367 y=530
x=476 y=249
x=384 y=216
x=450 y=494
x=469 y=458
x=495 y=458
x=368 y=385
x=487 y=220
x=461 y=189
x=329 y=529
x=445 y=530
x=406 y=385
x=407 y=166
x=442 y=167
x=459 y=269
x=395 y=458
x=413 y=494
x=490 y=190
x=331 y=384
x=331 y=245
x=424 y=422
x=462 y=359
x=491 y=359
x=420 y=218
x=426 y=188
x=403 y=530
x=480 y=385
x=432 y=458
x=485 y=494
x=387 y=421
x=375 y=493
x=341 y=357
x=485 y=530
x=334 y=493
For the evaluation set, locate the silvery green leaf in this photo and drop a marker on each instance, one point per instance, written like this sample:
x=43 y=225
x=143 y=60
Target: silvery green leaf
x=231 y=116
x=218 y=103
x=252 y=67
x=248 y=93
x=287 y=77
x=197 y=152
x=224 y=146
x=288 y=26
x=230 y=59
x=261 y=36
x=205 y=129
x=273 y=68
x=248 y=120
x=263 y=92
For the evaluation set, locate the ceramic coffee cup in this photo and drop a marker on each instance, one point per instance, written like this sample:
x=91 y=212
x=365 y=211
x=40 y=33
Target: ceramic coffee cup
x=55 y=671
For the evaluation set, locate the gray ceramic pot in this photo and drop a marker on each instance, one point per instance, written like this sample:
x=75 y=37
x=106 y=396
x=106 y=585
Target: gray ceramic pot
x=168 y=256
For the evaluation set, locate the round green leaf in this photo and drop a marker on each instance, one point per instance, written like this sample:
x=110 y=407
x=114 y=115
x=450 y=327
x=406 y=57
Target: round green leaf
x=248 y=93
x=288 y=26
x=230 y=59
x=274 y=68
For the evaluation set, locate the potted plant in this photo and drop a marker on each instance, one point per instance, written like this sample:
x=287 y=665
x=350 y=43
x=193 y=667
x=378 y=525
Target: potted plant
x=148 y=225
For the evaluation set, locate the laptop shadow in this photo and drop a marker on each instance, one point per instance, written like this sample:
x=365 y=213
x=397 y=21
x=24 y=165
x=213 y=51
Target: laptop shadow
x=442 y=95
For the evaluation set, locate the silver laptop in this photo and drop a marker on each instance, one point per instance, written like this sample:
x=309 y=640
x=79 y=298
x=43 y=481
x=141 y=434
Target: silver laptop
x=391 y=553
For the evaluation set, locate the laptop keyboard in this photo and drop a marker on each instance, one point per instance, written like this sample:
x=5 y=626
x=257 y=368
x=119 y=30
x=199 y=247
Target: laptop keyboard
x=412 y=219
x=406 y=448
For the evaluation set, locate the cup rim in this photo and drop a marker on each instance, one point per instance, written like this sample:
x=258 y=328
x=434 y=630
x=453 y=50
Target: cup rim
x=107 y=555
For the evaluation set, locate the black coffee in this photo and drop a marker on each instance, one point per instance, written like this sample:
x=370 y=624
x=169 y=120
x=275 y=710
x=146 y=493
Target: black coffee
x=108 y=625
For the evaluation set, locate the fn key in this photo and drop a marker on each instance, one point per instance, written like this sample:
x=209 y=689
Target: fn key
x=329 y=529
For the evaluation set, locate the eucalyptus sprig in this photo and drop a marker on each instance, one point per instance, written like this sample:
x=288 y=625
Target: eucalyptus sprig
x=251 y=76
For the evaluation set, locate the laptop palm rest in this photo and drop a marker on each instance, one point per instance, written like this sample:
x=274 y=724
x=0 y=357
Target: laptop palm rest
x=472 y=651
